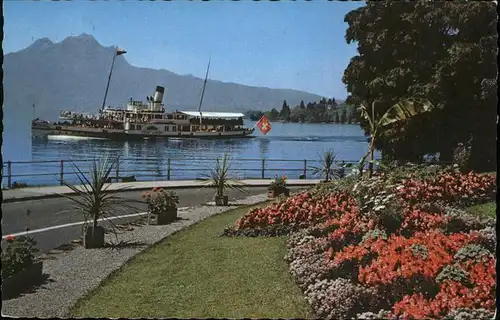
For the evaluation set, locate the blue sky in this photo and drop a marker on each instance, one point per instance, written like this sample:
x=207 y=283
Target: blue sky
x=297 y=45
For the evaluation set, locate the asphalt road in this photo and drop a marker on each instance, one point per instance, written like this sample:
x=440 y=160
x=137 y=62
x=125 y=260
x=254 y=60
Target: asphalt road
x=56 y=211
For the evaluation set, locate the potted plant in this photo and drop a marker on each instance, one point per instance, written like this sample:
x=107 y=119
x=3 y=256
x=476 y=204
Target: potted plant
x=162 y=206
x=20 y=268
x=277 y=187
x=94 y=201
x=219 y=179
x=327 y=166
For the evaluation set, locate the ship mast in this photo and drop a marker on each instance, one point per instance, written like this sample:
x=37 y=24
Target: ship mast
x=115 y=54
x=203 y=91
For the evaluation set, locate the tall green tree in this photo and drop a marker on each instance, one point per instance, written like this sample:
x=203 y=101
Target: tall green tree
x=441 y=51
x=285 y=111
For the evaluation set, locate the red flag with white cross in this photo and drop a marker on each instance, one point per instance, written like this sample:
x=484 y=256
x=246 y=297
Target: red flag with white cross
x=264 y=125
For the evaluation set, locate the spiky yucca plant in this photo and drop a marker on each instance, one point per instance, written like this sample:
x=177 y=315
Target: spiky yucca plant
x=327 y=166
x=92 y=198
x=219 y=178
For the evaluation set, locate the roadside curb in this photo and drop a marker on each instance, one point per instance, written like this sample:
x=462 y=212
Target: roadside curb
x=56 y=195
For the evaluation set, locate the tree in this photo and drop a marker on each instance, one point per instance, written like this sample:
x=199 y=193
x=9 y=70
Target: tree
x=441 y=51
x=285 y=111
x=273 y=114
x=302 y=106
x=298 y=114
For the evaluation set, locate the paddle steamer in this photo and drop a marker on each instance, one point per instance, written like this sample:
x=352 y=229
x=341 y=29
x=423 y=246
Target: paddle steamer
x=149 y=120
x=140 y=120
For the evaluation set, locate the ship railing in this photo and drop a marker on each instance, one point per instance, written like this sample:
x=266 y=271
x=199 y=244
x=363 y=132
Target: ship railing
x=53 y=172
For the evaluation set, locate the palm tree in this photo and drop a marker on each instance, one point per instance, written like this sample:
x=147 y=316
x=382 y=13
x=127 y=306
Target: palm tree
x=327 y=166
x=93 y=199
x=219 y=179
x=401 y=111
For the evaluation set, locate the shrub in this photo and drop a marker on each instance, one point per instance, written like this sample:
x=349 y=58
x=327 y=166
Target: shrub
x=19 y=254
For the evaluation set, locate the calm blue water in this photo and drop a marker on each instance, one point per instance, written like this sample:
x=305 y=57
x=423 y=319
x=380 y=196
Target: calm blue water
x=189 y=158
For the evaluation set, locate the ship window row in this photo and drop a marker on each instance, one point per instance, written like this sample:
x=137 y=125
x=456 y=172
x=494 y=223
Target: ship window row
x=170 y=128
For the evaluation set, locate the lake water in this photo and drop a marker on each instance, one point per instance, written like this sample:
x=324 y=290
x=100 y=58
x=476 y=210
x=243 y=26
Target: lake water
x=189 y=158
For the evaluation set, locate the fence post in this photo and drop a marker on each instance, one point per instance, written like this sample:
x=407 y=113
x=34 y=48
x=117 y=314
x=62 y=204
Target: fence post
x=305 y=169
x=9 y=174
x=62 y=172
x=168 y=169
x=117 y=171
x=263 y=168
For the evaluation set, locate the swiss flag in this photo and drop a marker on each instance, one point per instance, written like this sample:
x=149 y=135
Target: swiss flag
x=264 y=125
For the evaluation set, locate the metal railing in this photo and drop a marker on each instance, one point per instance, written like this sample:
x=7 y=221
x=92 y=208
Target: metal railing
x=53 y=172
x=36 y=172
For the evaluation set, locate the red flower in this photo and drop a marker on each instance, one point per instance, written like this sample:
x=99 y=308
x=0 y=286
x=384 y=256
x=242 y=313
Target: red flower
x=10 y=238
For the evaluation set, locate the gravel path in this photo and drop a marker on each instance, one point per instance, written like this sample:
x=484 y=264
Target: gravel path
x=73 y=273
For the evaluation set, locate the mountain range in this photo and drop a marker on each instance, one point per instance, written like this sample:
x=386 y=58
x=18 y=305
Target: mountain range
x=72 y=75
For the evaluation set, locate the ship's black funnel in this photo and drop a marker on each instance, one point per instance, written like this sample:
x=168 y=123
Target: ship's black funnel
x=158 y=98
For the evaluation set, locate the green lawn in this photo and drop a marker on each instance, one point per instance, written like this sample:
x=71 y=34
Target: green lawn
x=484 y=210
x=197 y=274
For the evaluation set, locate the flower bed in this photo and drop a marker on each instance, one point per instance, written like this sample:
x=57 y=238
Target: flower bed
x=390 y=247
x=294 y=213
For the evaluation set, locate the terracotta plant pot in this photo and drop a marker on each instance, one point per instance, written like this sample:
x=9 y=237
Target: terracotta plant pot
x=221 y=200
x=170 y=215
x=93 y=240
x=22 y=280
